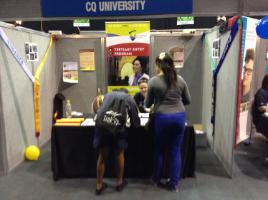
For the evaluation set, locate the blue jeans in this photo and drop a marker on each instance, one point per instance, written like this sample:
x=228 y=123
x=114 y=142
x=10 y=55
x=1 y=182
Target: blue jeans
x=168 y=134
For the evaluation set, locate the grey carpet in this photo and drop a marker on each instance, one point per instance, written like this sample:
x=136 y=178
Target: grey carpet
x=33 y=180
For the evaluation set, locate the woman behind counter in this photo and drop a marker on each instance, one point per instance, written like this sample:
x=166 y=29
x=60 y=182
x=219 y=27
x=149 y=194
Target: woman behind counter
x=140 y=96
x=139 y=69
x=169 y=93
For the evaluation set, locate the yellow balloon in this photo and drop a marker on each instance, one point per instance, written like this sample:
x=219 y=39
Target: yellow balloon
x=32 y=152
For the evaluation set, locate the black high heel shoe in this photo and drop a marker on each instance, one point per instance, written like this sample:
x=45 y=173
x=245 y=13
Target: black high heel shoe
x=121 y=186
x=103 y=187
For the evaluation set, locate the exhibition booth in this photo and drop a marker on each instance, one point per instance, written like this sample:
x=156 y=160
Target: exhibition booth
x=200 y=53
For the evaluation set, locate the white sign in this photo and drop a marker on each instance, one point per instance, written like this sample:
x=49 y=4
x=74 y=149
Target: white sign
x=31 y=52
x=70 y=72
x=216 y=48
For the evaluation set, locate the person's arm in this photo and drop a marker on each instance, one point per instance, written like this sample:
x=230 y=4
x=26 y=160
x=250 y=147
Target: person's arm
x=261 y=101
x=133 y=112
x=130 y=80
x=136 y=98
x=149 y=99
x=262 y=109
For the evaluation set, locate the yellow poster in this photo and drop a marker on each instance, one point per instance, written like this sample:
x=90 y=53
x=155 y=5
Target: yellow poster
x=87 y=60
x=127 y=47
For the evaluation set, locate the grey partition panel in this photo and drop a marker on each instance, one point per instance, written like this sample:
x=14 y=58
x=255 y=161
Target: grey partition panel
x=17 y=95
x=48 y=85
x=192 y=71
x=3 y=153
x=82 y=93
x=207 y=83
x=101 y=72
x=226 y=104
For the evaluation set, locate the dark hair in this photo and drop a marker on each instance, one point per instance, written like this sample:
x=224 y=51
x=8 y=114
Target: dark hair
x=249 y=54
x=265 y=82
x=142 y=62
x=143 y=80
x=166 y=64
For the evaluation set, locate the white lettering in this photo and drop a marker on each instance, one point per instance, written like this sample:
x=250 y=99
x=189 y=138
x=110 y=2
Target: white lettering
x=129 y=5
x=105 y=6
x=91 y=6
x=111 y=118
x=142 y=4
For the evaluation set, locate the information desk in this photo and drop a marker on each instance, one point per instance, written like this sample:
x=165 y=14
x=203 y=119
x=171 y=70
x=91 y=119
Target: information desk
x=73 y=154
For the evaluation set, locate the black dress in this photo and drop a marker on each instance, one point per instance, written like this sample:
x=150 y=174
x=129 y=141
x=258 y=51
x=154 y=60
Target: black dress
x=259 y=119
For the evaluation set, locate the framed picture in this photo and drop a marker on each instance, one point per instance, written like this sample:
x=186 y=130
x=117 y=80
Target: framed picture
x=216 y=48
x=31 y=52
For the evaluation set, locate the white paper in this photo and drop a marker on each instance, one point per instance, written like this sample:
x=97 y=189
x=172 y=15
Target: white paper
x=88 y=122
x=77 y=114
x=144 y=115
x=144 y=121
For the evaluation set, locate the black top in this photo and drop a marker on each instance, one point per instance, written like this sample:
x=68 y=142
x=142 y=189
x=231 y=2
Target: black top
x=139 y=99
x=261 y=99
x=130 y=106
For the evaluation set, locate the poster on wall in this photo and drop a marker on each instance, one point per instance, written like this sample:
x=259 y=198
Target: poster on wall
x=249 y=38
x=87 y=60
x=177 y=54
x=70 y=72
x=127 y=46
x=216 y=48
x=31 y=52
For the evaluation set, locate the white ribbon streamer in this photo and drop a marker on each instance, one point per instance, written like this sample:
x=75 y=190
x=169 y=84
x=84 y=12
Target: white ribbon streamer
x=16 y=54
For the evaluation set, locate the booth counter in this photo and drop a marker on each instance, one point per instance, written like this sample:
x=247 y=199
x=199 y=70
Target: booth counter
x=73 y=154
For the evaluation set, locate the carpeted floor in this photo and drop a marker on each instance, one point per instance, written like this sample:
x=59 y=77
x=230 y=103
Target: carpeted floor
x=33 y=180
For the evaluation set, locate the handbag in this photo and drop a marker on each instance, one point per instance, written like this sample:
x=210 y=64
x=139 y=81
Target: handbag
x=150 y=123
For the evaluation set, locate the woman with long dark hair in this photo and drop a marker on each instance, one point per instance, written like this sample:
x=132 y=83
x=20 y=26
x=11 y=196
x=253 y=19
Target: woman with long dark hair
x=169 y=93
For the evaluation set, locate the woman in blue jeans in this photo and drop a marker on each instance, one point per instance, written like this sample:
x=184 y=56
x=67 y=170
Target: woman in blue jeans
x=169 y=93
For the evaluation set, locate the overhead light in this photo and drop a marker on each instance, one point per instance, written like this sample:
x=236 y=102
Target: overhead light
x=55 y=32
x=221 y=19
x=188 y=31
x=18 y=23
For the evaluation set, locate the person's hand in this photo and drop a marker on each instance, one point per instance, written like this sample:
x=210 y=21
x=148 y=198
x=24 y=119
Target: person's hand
x=147 y=109
x=151 y=108
x=263 y=109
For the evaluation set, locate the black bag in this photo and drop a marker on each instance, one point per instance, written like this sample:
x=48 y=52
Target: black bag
x=113 y=118
x=149 y=126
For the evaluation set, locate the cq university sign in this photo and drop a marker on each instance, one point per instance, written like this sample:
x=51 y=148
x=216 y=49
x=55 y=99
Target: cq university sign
x=96 y=8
